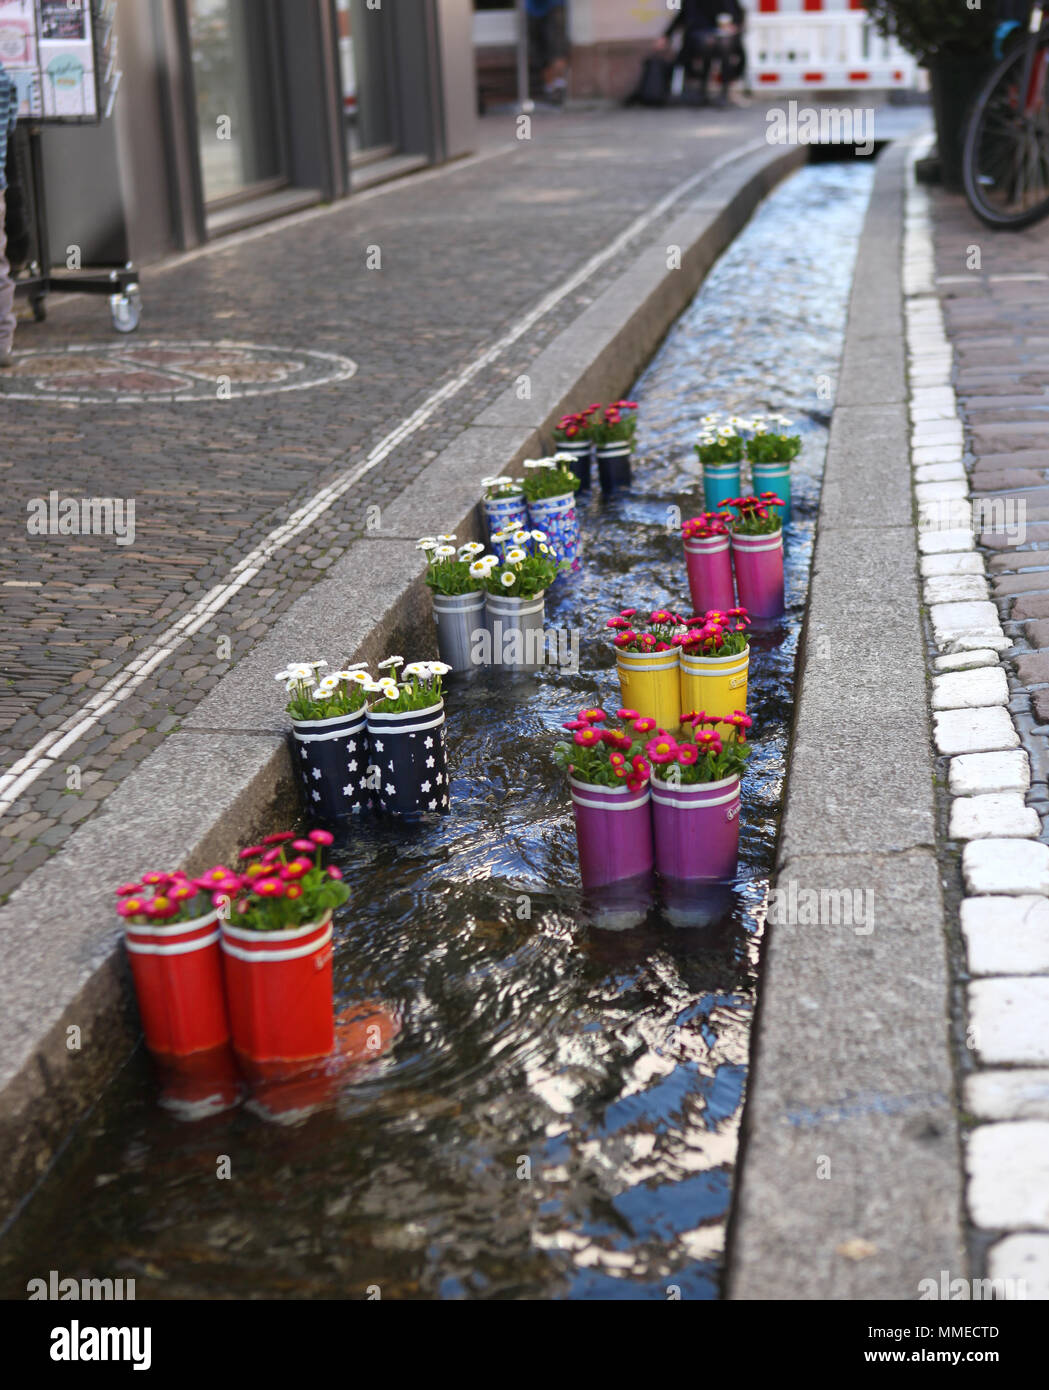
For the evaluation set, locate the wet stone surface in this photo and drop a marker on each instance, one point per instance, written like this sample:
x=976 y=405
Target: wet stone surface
x=558 y=1116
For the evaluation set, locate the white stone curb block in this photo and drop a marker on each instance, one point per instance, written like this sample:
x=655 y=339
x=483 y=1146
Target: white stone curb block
x=940 y=542
x=974 y=730
x=1006 y=936
x=954 y=562
x=970 y=689
x=1007 y=866
x=1009 y=1021
x=1008 y=1095
x=1022 y=1263
x=955 y=588
x=997 y=813
x=973 y=773
x=972 y=622
x=966 y=661
x=1008 y=1167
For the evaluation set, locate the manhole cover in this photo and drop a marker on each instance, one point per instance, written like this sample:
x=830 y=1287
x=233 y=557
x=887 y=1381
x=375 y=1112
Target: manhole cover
x=125 y=373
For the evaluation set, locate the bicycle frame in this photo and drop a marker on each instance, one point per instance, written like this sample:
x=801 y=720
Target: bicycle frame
x=1033 y=83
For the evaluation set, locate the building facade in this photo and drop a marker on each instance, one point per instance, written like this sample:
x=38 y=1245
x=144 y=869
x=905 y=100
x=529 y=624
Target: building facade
x=233 y=111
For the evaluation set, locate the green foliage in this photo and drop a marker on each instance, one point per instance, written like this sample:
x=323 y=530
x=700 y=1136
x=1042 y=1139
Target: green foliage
x=928 y=28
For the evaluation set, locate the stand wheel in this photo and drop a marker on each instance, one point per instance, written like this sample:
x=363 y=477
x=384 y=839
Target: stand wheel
x=39 y=308
x=126 y=309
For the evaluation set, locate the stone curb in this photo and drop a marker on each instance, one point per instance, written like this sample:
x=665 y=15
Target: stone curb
x=1004 y=868
x=225 y=778
x=849 y=1182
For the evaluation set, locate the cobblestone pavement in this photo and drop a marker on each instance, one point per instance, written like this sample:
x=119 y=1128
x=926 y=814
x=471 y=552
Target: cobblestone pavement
x=463 y=256
x=982 y=463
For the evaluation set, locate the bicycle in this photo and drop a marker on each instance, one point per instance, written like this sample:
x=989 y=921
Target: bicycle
x=1005 y=162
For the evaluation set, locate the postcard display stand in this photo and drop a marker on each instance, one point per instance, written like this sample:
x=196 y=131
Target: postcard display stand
x=62 y=55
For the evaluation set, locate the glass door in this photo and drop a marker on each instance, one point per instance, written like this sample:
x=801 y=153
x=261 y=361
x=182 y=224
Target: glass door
x=364 y=56
x=239 y=112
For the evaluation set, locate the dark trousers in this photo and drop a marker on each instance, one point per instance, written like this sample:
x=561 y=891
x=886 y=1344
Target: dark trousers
x=703 y=47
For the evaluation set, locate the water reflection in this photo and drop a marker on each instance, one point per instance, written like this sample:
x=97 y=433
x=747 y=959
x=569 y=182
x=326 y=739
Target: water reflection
x=558 y=1114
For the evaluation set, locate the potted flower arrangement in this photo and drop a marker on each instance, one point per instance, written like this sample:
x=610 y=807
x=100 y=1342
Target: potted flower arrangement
x=608 y=776
x=572 y=436
x=458 y=598
x=770 y=451
x=406 y=735
x=329 y=738
x=715 y=662
x=171 y=931
x=515 y=602
x=720 y=451
x=277 y=953
x=695 y=798
x=550 y=486
x=613 y=431
x=647 y=664
x=757 y=554
x=708 y=561
x=504 y=505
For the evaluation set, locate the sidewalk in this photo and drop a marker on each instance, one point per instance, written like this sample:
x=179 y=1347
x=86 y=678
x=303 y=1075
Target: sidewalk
x=990 y=295
x=259 y=430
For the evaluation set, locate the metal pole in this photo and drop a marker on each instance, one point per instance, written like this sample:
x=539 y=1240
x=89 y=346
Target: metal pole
x=522 y=54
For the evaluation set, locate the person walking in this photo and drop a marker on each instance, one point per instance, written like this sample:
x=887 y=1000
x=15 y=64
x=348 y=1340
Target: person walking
x=711 y=29
x=548 y=46
x=8 y=117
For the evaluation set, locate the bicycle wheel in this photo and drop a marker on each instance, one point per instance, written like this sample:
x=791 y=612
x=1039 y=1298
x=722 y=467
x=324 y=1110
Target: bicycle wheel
x=1006 y=160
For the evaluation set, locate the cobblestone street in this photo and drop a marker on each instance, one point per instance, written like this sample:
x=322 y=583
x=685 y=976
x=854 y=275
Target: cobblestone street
x=214 y=475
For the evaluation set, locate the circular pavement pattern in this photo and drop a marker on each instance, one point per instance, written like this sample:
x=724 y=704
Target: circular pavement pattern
x=124 y=373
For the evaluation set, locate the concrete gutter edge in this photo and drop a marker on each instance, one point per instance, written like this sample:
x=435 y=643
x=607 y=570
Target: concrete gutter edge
x=849 y=1182
x=225 y=777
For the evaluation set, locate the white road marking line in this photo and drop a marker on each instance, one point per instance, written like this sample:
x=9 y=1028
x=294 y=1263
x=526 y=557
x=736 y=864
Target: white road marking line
x=25 y=771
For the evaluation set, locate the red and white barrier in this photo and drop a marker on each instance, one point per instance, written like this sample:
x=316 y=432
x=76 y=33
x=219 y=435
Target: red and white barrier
x=799 y=45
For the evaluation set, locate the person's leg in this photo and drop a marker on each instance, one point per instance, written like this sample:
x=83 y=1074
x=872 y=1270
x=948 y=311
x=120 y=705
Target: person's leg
x=556 y=54
x=723 y=47
x=7 y=291
x=703 y=46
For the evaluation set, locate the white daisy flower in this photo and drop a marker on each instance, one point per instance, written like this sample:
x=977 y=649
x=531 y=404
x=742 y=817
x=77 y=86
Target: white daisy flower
x=480 y=570
x=566 y=459
x=298 y=672
x=516 y=555
x=544 y=549
x=490 y=482
x=508 y=579
x=437 y=668
x=315 y=665
x=710 y=419
x=372 y=687
x=471 y=548
x=361 y=677
x=538 y=535
x=521 y=537
x=726 y=431
x=328 y=683
x=391 y=661
x=446 y=539
x=417 y=668
x=445 y=552
x=425 y=543
x=534 y=463
x=761 y=429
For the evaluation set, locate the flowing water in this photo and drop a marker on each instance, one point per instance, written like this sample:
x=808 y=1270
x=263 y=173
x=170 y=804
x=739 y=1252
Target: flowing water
x=558 y=1116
